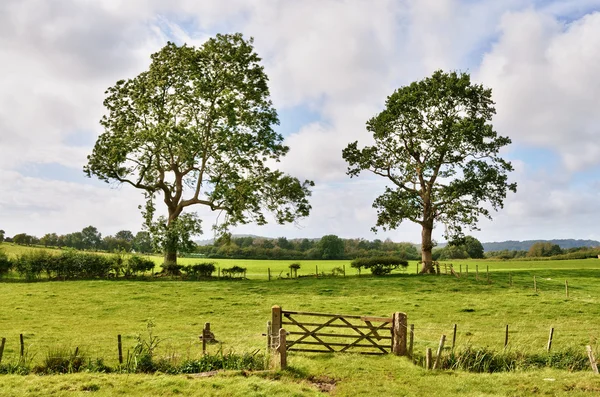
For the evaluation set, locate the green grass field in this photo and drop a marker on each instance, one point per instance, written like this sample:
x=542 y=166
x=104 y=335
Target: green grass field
x=89 y=314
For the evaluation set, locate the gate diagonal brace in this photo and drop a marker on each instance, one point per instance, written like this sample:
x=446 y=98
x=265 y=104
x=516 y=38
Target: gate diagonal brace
x=363 y=336
x=310 y=333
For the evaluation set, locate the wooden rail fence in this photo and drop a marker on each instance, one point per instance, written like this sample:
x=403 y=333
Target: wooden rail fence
x=334 y=333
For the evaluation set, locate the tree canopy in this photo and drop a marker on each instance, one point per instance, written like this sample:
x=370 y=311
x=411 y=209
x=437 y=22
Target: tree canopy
x=196 y=128
x=435 y=145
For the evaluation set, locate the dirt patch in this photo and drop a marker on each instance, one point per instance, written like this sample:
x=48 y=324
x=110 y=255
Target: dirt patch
x=325 y=384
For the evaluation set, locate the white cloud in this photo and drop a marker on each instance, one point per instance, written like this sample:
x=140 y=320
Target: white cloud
x=545 y=82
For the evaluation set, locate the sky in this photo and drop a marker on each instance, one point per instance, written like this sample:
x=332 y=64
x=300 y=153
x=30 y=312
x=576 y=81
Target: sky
x=331 y=64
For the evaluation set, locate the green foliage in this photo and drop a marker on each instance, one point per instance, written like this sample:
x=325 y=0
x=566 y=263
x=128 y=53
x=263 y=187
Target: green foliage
x=331 y=247
x=139 y=264
x=69 y=264
x=61 y=361
x=199 y=120
x=379 y=266
x=5 y=263
x=484 y=359
x=544 y=248
x=234 y=271
x=200 y=270
x=435 y=145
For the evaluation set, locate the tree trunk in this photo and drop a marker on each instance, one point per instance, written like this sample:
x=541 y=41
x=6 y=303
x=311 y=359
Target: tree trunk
x=171 y=241
x=426 y=247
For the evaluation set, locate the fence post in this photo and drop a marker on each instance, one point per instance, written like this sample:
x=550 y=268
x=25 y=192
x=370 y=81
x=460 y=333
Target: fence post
x=477 y=272
x=506 y=337
x=269 y=272
x=2 y=348
x=269 y=333
x=534 y=284
x=439 y=352
x=550 y=339
x=316 y=271
x=205 y=336
x=120 y=349
x=344 y=270
x=428 y=358
x=460 y=270
x=467 y=274
x=282 y=348
x=567 y=288
x=592 y=359
x=454 y=337
x=22 y=345
x=399 y=328
x=275 y=320
x=410 y=340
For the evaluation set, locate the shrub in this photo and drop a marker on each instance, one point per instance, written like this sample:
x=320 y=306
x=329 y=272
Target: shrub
x=171 y=269
x=379 y=265
x=5 y=263
x=137 y=264
x=234 y=271
x=205 y=269
x=294 y=269
x=31 y=264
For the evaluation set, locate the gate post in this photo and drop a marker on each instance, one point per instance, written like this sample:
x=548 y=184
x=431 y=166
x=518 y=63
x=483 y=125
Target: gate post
x=275 y=322
x=399 y=331
x=282 y=348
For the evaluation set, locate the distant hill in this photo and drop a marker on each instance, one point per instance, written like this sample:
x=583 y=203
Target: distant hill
x=512 y=245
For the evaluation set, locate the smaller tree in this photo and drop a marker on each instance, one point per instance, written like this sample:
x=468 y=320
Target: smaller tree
x=544 y=248
x=91 y=238
x=331 y=247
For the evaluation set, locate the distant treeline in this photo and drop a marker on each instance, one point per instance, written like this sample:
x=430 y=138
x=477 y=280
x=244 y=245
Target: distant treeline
x=546 y=249
x=328 y=247
x=524 y=246
x=89 y=239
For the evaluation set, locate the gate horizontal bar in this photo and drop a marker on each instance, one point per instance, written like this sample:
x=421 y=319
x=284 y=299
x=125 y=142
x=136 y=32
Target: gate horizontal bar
x=336 y=325
x=355 y=336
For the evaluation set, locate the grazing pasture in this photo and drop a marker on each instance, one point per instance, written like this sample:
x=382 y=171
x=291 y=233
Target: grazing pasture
x=89 y=314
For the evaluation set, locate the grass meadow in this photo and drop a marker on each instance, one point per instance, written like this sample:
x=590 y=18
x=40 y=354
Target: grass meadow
x=90 y=313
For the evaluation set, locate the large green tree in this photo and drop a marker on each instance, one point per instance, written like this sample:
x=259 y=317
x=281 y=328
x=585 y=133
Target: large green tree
x=196 y=128
x=435 y=145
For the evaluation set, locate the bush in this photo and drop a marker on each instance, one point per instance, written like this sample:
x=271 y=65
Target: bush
x=137 y=264
x=234 y=271
x=171 y=269
x=200 y=270
x=379 y=265
x=5 y=263
x=294 y=269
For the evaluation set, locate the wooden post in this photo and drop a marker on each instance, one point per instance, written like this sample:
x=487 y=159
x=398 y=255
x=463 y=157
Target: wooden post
x=316 y=271
x=506 y=336
x=550 y=340
x=275 y=320
x=477 y=272
x=219 y=272
x=269 y=273
x=417 y=267
x=269 y=333
x=454 y=337
x=205 y=336
x=592 y=359
x=534 y=284
x=438 y=357
x=460 y=270
x=399 y=334
x=282 y=348
x=467 y=274
x=344 y=270
x=120 y=348
x=445 y=269
x=2 y=348
x=428 y=358
x=22 y=345
x=411 y=337
x=567 y=288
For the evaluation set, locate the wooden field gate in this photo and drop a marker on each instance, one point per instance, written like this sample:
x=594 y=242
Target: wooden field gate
x=333 y=333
